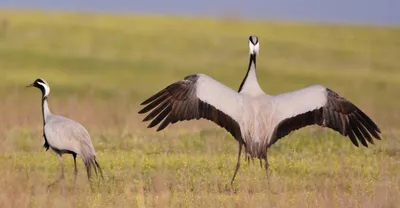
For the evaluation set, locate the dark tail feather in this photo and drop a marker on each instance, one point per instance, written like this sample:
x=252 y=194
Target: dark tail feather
x=94 y=166
x=88 y=164
x=92 y=161
x=98 y=167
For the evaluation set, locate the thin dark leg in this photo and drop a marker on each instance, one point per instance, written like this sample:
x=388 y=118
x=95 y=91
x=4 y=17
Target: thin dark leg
x=76 y=169
x=268 y=177
x=266 y=170
x=238 y=162
x=268 y=181
x=62 y=172
x=266 y=164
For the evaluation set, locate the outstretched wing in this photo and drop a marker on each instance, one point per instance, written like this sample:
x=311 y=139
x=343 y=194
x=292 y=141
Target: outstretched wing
x=196 y=96
x=322 y=106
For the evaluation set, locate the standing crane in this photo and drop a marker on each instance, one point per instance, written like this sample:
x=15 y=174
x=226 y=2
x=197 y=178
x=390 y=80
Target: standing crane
x=255 y=119
x=65 y=136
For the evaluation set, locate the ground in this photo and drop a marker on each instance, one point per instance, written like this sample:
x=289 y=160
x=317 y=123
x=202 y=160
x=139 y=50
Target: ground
x=100 y=67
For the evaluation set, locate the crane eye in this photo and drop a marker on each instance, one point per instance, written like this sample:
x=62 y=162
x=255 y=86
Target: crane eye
x=253 y=39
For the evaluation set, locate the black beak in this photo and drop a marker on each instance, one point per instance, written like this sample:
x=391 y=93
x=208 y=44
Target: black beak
x=31 y=85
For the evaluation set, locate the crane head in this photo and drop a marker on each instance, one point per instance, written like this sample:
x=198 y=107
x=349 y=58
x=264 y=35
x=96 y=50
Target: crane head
x=254 y=45
x=42 y=85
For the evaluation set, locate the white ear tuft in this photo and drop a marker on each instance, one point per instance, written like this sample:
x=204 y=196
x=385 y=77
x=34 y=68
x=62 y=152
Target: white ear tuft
x=46 y=89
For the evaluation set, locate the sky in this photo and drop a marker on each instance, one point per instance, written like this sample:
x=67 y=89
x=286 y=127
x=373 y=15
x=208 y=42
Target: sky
x=370 y=12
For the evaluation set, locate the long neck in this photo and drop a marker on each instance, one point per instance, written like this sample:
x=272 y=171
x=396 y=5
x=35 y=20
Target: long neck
x=45 y=109
x=250 y=84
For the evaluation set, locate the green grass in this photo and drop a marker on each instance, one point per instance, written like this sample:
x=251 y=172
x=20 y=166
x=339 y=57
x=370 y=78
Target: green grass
x=100 y=67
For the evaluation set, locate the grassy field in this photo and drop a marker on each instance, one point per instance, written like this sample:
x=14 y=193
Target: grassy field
x=100 y=67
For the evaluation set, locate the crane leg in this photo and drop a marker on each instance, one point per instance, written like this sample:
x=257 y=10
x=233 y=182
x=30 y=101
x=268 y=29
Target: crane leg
x=237 y=165
x=268 y=177
x=76 y=169
x=62 y=172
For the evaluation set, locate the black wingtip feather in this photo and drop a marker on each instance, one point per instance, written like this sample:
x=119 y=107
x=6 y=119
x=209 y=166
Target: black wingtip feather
x=161 y=116
x=164 y=124
x=369 y=125
x=369 y=120
x=362 y=129
x=156 y=111
x=349 y=133
x=154 y=103
x=356 y=131
x=352 y=138
x=154 y=97
x=377 y=136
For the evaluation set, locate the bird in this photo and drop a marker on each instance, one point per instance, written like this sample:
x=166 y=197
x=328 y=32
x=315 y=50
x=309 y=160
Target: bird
x=66 y=136
x=257 y=120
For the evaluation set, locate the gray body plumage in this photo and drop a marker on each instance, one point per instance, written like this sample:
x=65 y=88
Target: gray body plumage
x=255 y=119
x=66 y=136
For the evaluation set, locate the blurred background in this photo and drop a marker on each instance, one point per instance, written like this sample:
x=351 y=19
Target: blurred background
x=102 y=58
x=383 y=12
